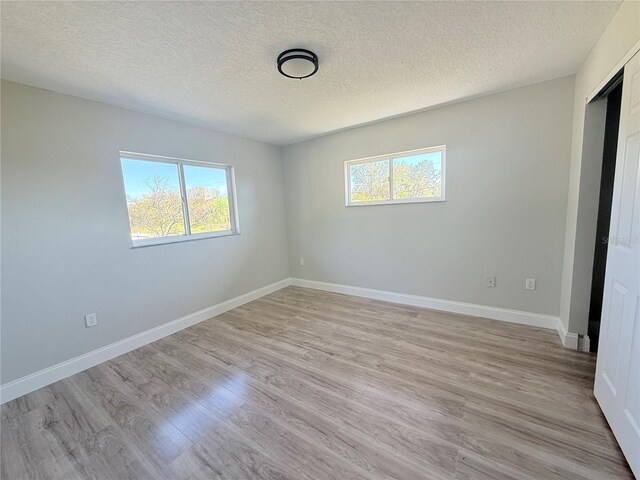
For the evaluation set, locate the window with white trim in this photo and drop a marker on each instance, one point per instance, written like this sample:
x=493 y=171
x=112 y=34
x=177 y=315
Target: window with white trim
x=405 y=177
x=172 y=200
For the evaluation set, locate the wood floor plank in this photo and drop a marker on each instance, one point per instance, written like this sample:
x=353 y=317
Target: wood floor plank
x=304 y=384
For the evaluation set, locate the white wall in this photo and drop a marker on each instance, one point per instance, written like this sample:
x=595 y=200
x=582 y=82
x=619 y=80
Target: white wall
x=507 y=175
x=65 y=232
x=584 y=185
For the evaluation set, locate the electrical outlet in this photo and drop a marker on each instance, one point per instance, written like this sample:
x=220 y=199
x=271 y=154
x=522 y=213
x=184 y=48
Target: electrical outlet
x=530 y=284
x=490 y=281
x=301 y=261
x=91 y=319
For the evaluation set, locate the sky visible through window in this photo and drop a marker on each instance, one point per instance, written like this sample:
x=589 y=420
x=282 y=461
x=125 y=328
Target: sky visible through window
x=138 y=172
x=434 y=157
x=206 y=177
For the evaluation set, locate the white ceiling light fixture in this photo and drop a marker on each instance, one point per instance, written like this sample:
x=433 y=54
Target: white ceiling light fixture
x=297 y=63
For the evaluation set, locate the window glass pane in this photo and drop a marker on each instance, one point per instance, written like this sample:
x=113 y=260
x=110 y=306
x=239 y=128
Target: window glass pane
x=418 y=176
x=153 y=199
x=207 y=198
x=369 y=181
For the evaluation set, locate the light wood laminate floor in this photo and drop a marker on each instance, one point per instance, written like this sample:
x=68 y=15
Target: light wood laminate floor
x=303 y=384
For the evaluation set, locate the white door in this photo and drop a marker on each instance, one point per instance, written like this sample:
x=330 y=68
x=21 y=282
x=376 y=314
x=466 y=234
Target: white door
x=617 y=385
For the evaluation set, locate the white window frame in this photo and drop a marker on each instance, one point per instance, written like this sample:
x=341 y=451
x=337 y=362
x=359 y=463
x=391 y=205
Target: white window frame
x=180 y=162
x=390 y=157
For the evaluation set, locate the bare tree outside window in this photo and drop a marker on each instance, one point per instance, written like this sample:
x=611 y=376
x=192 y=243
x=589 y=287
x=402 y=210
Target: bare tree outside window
x=208 y=210
x=175 y=198
x=157 y=213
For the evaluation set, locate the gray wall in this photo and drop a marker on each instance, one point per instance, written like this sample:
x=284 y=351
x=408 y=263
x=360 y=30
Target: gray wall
x=507 y=174
x=65 y=236
x=65 y=233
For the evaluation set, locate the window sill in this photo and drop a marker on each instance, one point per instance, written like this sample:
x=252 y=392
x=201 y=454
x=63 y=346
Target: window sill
x=152 y=242
x=395 y=202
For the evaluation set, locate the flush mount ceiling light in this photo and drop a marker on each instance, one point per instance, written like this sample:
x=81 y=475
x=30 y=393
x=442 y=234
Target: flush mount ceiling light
x=297 y=63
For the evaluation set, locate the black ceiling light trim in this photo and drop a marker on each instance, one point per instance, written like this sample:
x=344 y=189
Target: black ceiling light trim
x=297 y=54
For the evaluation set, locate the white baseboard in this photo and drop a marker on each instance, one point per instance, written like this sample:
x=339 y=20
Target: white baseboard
x=569 y=340
x=75 y=365
x=495 y=313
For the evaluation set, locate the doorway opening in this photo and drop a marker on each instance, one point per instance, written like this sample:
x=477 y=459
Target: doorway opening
x=613 y=94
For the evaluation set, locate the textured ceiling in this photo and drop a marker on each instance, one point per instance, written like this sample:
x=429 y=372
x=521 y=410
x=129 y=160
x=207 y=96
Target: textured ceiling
x=213 y=63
